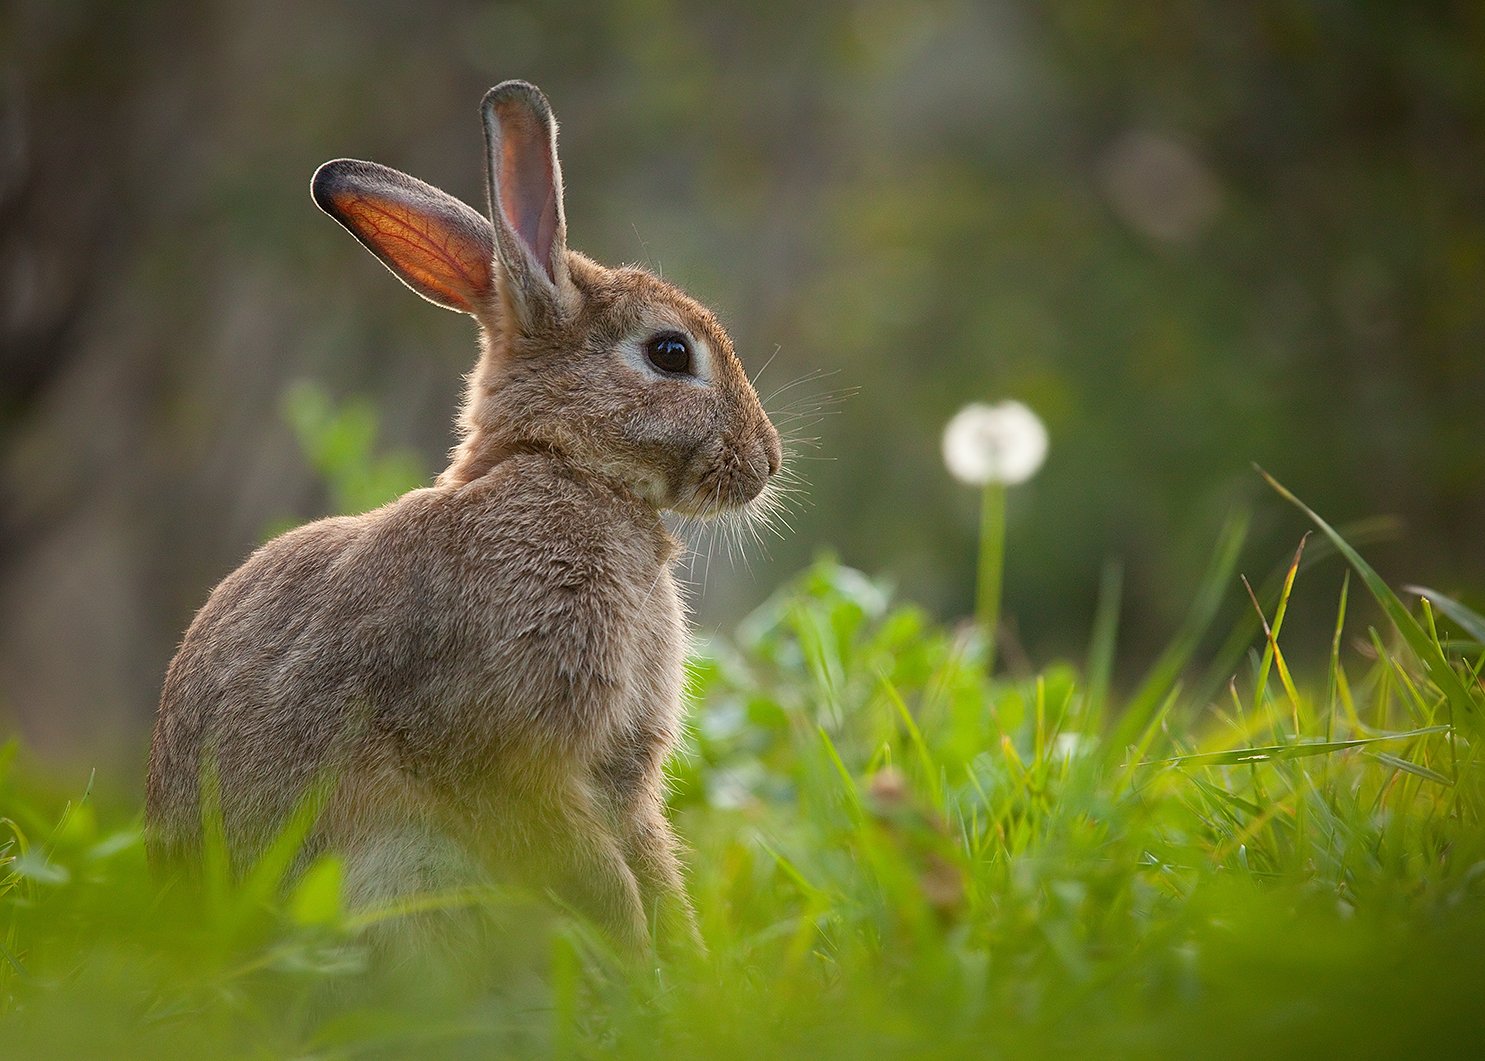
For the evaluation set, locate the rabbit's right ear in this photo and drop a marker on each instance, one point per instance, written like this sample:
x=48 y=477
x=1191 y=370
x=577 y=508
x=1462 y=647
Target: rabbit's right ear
x=525 y=185
x=434 y=244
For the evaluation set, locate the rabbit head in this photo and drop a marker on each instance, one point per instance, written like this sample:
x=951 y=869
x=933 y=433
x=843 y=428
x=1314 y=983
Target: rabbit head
x=612 y=370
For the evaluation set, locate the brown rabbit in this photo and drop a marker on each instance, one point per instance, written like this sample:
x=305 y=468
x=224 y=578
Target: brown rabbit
x=488 y=671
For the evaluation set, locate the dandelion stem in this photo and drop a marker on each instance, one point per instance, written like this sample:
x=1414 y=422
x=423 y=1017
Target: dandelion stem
x=992 y=563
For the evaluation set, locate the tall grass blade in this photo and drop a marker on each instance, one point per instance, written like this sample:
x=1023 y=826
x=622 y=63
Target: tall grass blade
x=1468 y=620
x=1226 y=659
x=1271 y=652
x=272 y=868
x=1287 y=751
x=1416 y=769
x=1428 y=651
x=920 y=747
x=1167 y=669
x=847 y=782
x=1104 y=638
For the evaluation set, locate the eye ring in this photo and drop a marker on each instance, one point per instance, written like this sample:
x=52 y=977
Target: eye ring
x=670 y=353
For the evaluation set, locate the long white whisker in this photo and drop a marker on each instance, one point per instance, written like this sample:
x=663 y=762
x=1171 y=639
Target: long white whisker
x=759 y=374
x=808 y=377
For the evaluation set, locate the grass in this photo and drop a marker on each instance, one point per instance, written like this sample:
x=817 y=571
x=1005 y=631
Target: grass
x=895 y=856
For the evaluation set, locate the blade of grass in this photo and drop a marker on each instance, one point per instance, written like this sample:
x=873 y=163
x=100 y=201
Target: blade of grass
x=1471 y=622
x=1271 y=651
x=268 y=873
x=1222 y=796
x=1225 y=659
x=1167 y=669
x=12 y=961
x=1286 y=751
x=1428 y=652
x=1141 y=747
x=1416 y=769
x=915 y=738
x=1335 y=676
x=848 y=783
x=1104 y=638
x=463 y=898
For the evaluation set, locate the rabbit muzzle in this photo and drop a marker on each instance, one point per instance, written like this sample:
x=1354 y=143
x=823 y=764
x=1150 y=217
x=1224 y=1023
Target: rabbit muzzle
x=730 y=473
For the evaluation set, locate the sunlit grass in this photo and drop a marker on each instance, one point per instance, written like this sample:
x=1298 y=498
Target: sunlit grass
x=895 y=854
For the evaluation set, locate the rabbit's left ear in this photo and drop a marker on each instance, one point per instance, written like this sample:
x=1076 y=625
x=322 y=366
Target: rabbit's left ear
x=435 y=244
x=526 y=196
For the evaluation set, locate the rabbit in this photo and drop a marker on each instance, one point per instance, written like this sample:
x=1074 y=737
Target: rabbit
x=482 y=678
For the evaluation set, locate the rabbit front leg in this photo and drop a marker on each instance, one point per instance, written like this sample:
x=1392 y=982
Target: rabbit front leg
x=653 y=853
x=633 y=780
x=581 y=859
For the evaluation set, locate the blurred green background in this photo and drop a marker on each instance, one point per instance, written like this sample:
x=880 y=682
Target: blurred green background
x=1191 y=235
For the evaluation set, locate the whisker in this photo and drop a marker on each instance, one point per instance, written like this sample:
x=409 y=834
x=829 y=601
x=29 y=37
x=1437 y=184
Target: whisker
x=816 y=400
x=808 y=377
x=759 y=374
x=820 y=399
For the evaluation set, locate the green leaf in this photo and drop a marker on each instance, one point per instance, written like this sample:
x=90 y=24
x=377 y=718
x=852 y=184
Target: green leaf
x=317 y=896
x=114 y=843
x=34 y=866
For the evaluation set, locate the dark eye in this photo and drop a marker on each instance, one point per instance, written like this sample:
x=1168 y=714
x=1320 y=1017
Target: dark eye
x=669 y=352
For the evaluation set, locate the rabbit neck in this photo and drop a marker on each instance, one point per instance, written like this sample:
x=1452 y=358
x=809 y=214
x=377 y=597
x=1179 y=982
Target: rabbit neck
x=474 y=458
x=475 y=462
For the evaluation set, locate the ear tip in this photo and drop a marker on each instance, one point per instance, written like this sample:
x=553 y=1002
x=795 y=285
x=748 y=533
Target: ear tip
x=516 y=91
x=331 y=178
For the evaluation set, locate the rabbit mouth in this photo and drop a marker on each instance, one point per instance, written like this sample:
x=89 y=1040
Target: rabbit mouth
x=727 y=484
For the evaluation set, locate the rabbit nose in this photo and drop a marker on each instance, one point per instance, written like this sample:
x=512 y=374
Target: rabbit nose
x=773 y=451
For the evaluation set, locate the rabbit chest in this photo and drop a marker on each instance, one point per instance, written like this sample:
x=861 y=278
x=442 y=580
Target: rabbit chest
x=550 y=625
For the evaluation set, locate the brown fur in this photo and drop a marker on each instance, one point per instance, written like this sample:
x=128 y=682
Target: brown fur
x=486 y=673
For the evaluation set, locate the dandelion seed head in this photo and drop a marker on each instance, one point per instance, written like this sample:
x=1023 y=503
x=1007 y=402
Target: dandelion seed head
x=1002 y=443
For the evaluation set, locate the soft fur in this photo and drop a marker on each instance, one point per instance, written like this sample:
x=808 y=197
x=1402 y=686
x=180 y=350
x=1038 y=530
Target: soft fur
x=484 y=676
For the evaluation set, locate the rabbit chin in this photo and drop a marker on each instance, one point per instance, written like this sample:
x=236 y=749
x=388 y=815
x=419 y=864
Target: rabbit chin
x=714 y=494
x=710 y=493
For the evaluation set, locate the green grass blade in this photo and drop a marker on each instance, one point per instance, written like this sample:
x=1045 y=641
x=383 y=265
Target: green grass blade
x=1104 y=638
x=1416 y=769
x=1228 y=656
x=847 y=782
x=1164 y=674
x=1287 y=751
x=920 y=748
x=268 y=874
x=1335 y=677
x=1468 y=620
x=1428 y=651
x=1271 y=652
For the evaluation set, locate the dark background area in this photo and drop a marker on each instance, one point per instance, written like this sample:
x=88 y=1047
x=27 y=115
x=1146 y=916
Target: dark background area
x=1192 y=236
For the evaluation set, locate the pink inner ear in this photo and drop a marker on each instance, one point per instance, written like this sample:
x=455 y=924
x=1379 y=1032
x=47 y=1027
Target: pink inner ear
x=528 y=192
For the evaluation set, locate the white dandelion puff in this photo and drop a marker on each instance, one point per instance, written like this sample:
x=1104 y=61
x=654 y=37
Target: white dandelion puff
x=1003 y=443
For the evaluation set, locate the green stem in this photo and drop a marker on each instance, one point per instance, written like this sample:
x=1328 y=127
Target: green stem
x=992 y=564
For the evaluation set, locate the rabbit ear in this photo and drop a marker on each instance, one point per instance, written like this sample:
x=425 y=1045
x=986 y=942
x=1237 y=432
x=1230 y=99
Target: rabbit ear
x=435 y=244
x=526 y=193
